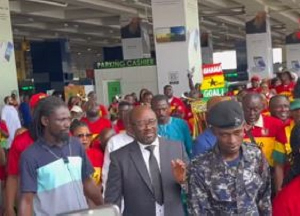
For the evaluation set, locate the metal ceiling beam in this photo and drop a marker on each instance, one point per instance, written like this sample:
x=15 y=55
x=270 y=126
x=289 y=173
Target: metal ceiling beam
x=220 y=3
x=223 y=12
x=96 y=23
x=58 y=14
x=233 y=21
x=39 y=29
x=84 y=14
x=29 y=7
x=107 y=6
x=256 y=5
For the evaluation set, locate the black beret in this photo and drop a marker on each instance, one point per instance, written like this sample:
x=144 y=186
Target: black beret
x=226 y=114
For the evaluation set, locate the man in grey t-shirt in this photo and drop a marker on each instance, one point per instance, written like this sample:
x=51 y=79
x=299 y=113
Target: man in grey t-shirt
x=55 y=171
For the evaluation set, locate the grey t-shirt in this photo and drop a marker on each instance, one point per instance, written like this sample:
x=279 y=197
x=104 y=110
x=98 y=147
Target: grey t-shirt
x=55 y=175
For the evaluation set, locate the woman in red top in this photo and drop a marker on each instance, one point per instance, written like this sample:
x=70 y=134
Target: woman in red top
x=287 y=84
x=269 y=93
x=80 y=129
x=146 y=99
x=287 y=201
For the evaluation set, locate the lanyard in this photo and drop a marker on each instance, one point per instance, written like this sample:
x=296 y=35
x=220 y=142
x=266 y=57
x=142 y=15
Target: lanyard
x=63 y=157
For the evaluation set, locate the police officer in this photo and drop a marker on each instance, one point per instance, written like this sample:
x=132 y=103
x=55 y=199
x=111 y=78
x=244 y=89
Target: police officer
x=233 y=178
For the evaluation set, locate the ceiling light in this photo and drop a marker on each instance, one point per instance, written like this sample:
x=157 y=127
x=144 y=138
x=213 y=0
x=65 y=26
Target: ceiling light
x=89 y=49
x=53 y=3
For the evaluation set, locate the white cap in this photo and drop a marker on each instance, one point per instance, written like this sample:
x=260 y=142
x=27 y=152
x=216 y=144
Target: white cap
x=76 y=109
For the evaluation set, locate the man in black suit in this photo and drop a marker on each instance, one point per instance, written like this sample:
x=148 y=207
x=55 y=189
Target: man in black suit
x=147 y=173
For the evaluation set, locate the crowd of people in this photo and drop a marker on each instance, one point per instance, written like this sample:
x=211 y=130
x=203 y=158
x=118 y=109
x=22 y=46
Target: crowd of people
x=60 y=156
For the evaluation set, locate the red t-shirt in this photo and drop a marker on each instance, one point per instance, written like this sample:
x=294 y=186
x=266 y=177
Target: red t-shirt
x=286 y=203
x=96 y=157
x=177 y=106
x=96 y=128
x=286 y=90
x=265 y=136
x=119 y=126
x=3 y=127
x=2 y=173
x=20 y=143
x=103 y=111
x=189 y=117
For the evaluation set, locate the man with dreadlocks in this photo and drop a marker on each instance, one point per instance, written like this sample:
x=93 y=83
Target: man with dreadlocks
x=21 y=142
x=287 y=201
x=55 y=170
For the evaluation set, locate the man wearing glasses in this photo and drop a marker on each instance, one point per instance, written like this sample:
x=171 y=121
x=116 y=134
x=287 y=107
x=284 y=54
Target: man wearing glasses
x=141 y=172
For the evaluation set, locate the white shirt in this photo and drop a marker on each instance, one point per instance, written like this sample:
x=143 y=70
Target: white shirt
x=146 y=156
x=260 y=122
x=116 y=142
x=11 y=117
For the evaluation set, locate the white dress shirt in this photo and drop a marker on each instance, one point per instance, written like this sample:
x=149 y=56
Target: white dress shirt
x=116 y=142
x=146 y=156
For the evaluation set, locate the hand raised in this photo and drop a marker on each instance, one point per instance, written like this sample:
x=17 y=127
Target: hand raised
x=179 y=170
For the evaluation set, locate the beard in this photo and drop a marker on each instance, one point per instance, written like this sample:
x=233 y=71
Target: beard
x=62 y=137
x=92 y=114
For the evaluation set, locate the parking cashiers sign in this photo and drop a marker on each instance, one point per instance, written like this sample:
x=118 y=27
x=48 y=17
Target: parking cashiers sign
x=214 y=83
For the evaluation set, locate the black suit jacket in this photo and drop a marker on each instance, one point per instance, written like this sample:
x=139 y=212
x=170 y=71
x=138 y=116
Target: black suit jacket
x=128 y=177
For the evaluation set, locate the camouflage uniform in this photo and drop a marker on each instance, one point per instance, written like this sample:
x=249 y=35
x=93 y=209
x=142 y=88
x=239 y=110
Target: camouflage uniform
x=214 y=188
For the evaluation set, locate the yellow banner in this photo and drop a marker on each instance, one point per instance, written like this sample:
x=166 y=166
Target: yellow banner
x=198 y=106
x=213 y=82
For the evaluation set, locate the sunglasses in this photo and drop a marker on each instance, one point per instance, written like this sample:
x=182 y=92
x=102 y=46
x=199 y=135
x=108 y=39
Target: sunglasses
x=84 y=135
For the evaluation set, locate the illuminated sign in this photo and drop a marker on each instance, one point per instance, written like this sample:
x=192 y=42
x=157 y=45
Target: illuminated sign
x=27 y=88
x=125 y=63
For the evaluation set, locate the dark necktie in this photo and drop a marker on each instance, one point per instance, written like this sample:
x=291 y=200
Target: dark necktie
x=155 y=176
